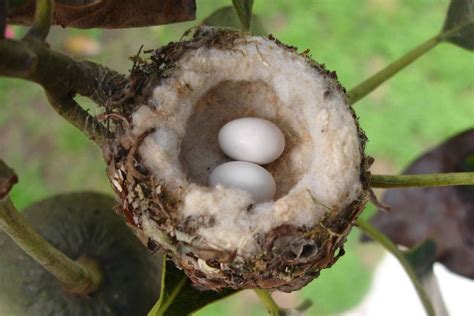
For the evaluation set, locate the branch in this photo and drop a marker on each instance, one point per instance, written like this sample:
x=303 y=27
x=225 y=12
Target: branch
x=58 y=73
x=78 y=277
x=268 y=302
x=422 y=180
x=370 y=84
x=62 y=77
x=69 y=109
x=42 y=20
x=367 y=86
x=392 y=248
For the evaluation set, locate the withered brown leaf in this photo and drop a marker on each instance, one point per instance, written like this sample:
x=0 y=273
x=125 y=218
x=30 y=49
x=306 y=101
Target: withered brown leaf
x=110 y=13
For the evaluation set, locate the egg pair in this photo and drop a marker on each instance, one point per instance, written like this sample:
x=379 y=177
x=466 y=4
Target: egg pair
x=251 y=141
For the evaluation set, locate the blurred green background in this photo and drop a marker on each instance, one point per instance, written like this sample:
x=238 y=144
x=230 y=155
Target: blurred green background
x=429 y=101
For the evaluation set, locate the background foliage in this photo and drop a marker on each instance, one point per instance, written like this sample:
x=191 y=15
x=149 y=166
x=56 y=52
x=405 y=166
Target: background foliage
x=431 y=100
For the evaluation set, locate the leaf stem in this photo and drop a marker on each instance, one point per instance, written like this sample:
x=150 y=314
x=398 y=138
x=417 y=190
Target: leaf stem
x=422 y=180
x=42 y=20
x=268 y=302
x=172 y=296
x=392 y=248
x=370 y=84
x=78 y=277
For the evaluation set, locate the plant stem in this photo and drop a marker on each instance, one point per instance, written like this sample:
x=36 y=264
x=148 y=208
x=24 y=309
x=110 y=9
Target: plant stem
x=431 y=286
x=367 y=86
x=78 y=277
x=392 y=248
x=268 y=302
x=422 y=180
x=42 y=20
x=370 y=84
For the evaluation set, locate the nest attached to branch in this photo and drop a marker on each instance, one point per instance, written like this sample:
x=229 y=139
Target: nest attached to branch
x=166 y=146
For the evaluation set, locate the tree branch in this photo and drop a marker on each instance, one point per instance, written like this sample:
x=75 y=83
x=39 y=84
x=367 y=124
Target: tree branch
x=69 y=109
x=62 y=77
x=79 y=277
x=42 y=20
x=422 y=180
x=58 y=73
x=392 y=248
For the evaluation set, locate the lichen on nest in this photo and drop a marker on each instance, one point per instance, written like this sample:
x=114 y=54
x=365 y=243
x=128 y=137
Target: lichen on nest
x=166 y=147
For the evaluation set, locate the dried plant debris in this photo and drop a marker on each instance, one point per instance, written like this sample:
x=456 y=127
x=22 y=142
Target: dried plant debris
x=444 y=214
x=166 y=147
x=110 y=13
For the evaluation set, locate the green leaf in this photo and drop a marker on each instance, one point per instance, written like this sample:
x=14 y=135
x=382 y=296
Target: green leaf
x=227 y=17
x=244 y=11
x=422 y=257
x=179 y=297
x=458 y=27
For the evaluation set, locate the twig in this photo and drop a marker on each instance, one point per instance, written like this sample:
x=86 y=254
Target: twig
x=422 y=180
x=78 y=277
x=59 y=73
x=268 y=302
x=42 y=20
x=62 y=77
x=370 y=84
x=77 y=116
x=392 y=248
x=367 y=86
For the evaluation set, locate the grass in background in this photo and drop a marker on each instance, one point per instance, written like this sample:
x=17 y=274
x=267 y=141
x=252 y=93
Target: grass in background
x=429 y=101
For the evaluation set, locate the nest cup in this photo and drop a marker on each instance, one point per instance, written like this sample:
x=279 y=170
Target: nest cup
x=161 y=159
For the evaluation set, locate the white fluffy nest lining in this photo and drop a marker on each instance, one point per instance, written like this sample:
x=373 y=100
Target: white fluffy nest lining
x=319 y=171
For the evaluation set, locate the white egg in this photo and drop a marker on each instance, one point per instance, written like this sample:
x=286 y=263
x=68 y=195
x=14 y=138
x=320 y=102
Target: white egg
x=246 y=176
x=252 y=139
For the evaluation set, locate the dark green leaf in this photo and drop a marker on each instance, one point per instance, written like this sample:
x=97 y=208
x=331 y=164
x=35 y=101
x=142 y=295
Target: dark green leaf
x=422 y=257
x=244 y=11
x=179 y=297
x=227 y=17
x=459 y=24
